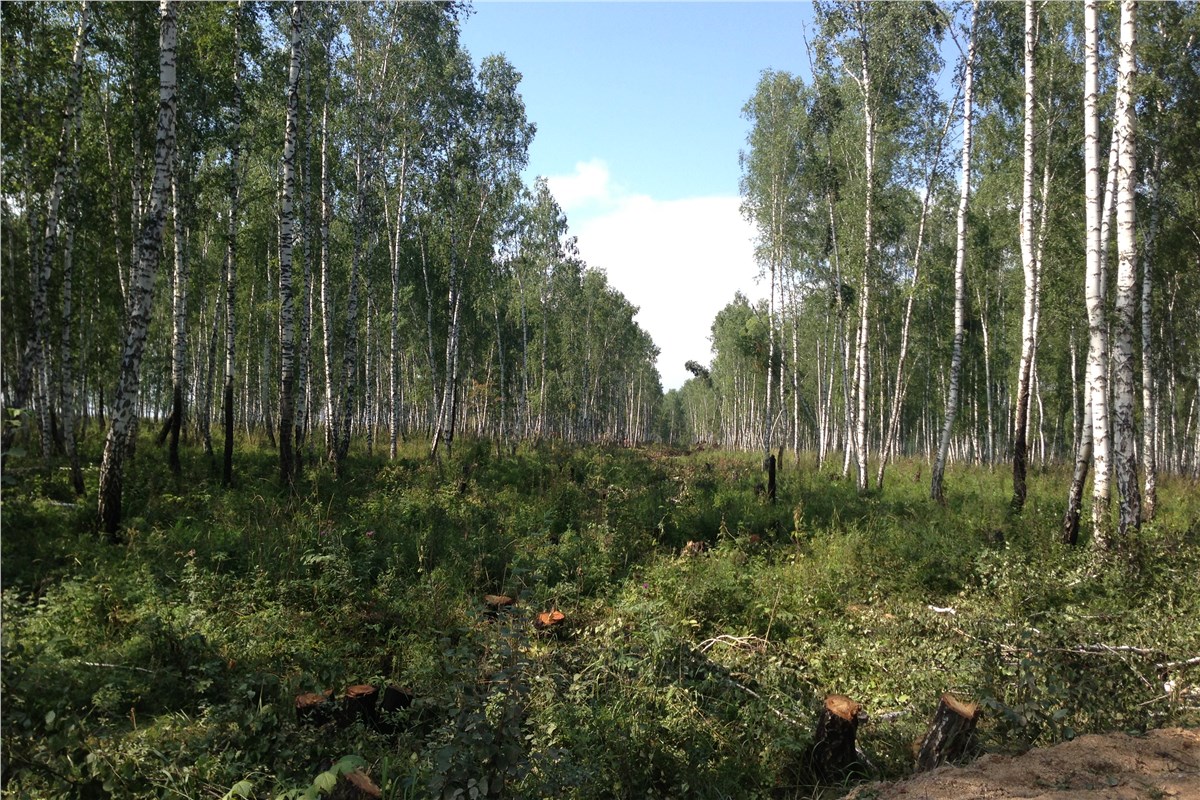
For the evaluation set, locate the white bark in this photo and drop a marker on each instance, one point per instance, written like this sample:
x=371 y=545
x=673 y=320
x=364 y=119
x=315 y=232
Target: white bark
x=37 y=351
x=67 y=362
x=987 y=376
x=960 y=266
x=1124 y=430
x=861 y=365
x=287 y=221
x=350 y=348
x=304 y=357
x=1097 y=325
x=396 y=228
x=327 y=309
x=1030 y=268
x=235 y=152
x=141 y=282
x=179 y=319
x=1149 y=394
x=900 y=387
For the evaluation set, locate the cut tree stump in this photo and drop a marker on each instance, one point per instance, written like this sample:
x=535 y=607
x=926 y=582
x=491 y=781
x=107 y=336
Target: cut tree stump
x=770 y=465
x=951 y=735
x=359 y=703
x=832 y=753
x=495 y=603
x=393 y=700
x=314 y=708
x=549 y=620
x=356 y=785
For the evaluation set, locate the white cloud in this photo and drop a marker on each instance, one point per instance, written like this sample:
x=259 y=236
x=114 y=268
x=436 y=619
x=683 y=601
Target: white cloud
x=589 y=185
x=679 y=261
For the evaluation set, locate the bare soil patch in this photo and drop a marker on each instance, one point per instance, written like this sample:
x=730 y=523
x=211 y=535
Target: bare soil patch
x=1160 y=764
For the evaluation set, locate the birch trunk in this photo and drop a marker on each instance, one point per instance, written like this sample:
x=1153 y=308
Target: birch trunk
x=235 y=183
x=1124 y=429
x=429 y=357
x=444 y=431
x=938 y=472
x=987 y=376
x=1097 y=325
x=210 y=366
x=113 y=196
x=141 y=283
x=1149 y=394
x=1084 y=447
x=287 y=322
x=394 y=332
x=350 y=348
x=524 y=410
x=304 y=358
x=448 y=413
x=861 y=368
x=179 y=320
x=900 y=387
x=1083 y=457
x=67 y=371
x=327 y=310
x=1030 y=268
x=37 y=352
x=796 y=373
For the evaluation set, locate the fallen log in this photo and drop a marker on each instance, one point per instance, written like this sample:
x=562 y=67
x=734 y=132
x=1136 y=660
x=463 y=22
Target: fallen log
x=951 y=734
x=832 y=753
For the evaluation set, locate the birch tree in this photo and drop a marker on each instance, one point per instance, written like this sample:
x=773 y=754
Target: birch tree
x=231 y=249
x=1029 y=266
x=141 y=283
x=960 y=263
x=862 y=355
x=774 y=200
x=287 y=323
x=67 y=368
x=900 y=385
x=327 y=307
x=1097 y=379
x=1127 y=296
x=38 y=351
x=179 y=297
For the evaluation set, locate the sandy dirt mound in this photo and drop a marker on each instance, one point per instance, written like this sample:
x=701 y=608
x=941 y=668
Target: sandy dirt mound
x=1161 y=764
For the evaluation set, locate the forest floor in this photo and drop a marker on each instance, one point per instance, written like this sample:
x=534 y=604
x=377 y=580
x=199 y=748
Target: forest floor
x=1158 y=764
x=701 y=629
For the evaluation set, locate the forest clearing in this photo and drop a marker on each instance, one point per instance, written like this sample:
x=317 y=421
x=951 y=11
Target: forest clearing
x=332 y=467
x=170 y=665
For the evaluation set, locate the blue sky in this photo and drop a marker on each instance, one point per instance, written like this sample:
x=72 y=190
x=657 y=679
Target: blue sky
x=638 y=110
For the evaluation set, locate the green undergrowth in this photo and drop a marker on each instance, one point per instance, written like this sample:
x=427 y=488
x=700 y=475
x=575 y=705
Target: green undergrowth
x=166 y=665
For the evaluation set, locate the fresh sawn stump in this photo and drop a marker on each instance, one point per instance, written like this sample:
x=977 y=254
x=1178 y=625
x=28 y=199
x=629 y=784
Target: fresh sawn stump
x=832 y=753
x=314 y=708
x=359 y=703
x=951 y=735
x=549 y=620
x=495 y=603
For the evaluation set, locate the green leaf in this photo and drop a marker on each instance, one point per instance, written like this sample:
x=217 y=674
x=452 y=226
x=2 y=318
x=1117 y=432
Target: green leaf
x=325 y=781
x=348 y=764
x=243 y=789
